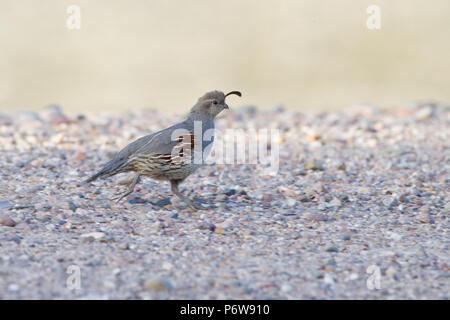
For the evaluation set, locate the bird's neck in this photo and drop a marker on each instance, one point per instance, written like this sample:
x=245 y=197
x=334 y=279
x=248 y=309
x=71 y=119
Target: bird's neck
x=197 y=116
x=200 y=121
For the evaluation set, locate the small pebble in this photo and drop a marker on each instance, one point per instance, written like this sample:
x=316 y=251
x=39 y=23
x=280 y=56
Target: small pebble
x=91 y=236
x=207 y=226
x=6 y=220
x=332 y=249
x=158 y=284
x=314 y=165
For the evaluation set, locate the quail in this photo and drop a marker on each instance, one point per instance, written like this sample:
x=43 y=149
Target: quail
x=171 y=154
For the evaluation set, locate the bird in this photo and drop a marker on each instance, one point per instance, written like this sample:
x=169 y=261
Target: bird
x=171 y=154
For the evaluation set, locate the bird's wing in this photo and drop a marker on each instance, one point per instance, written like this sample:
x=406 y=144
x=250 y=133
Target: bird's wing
x=164 y=141
x=126 y=153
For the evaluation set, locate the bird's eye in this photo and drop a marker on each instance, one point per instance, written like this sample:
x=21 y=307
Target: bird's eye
x=215 y=102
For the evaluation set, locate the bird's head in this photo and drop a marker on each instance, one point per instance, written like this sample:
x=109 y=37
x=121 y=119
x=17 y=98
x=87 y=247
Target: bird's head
x=211 y=103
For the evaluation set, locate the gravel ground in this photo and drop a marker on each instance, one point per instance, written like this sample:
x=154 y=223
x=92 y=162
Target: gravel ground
x=360 y=196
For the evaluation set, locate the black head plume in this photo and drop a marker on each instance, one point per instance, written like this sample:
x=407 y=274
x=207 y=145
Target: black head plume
x=234 y=92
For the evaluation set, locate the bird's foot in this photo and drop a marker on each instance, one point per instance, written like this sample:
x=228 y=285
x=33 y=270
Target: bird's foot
x=200 y=207
x=194 y=207
x=202 y=204
x=131 y=184
x=120 y=196
x=191 y=205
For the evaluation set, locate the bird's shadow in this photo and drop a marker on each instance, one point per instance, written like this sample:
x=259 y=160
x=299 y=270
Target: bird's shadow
x=161 y=203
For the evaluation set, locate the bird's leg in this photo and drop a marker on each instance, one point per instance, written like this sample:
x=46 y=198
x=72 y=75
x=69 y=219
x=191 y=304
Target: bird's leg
x=174 y=187
x=131 y=186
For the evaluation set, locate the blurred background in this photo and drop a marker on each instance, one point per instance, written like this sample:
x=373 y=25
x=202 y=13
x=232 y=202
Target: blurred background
x=164 y=54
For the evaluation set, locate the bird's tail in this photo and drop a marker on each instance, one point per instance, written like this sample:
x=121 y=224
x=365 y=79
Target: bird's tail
x=110 y=169
x=104 y=173
x=94 y=177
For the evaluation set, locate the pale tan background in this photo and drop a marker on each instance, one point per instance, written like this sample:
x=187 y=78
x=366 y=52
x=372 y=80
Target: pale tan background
x=164 y=54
